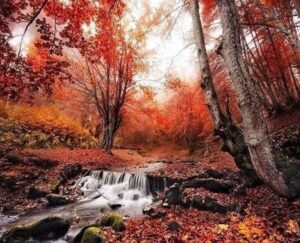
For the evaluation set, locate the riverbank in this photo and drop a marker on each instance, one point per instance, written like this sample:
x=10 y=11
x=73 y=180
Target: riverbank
x=210 y=207
x=26 y=172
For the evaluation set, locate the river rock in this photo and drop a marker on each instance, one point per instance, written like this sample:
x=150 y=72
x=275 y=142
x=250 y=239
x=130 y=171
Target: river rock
x=209 y=184
x=93 y=235
x=148 y=210
x=43 y=163
x=114 y=205
x=7 y=208
x=57 y=200
x=35 y=192
x=214 y=173
x=115 y=220
x=16 y=157
x=173 y=194
x=46 y=229
x=79 y=237
x=70 y=171
x=210 y=204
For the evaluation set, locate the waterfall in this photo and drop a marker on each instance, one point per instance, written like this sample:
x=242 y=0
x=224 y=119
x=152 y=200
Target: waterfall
x=115 y=186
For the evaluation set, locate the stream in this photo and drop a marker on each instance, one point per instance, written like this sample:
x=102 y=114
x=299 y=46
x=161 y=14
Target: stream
x=102 y=191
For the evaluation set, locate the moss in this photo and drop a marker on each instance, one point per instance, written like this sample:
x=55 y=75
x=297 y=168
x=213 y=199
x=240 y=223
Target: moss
x=115 y=220
x=17 y=234
x=45 y=229
x=50 y=228
x=92 y=235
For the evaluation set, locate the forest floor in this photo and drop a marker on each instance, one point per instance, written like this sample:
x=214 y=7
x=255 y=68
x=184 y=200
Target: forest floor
x=263 y=216
x=266 y=216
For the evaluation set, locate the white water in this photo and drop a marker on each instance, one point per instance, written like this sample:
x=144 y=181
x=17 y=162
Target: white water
x=100 y=190
x=131 y=191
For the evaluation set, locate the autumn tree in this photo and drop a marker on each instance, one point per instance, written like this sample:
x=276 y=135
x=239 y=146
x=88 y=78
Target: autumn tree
x=269 y=35
x=187 y=117
x=109 y=57
x=107 y=84
x=264 y=159
x=17 y=75
x=258 y=148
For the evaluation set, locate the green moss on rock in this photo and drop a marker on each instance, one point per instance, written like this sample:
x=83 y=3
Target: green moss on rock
x=92 y=235
x=115 y=220
x=45 y=229
x=17 y=234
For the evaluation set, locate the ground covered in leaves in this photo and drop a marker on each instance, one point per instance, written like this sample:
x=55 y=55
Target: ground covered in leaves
x=265 y=216
x=43 y=169
x=268 y=218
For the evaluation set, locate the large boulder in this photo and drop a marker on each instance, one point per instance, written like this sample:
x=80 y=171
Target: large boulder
x=46 y=229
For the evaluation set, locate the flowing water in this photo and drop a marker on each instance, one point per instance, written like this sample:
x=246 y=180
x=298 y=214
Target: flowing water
x=102 y=191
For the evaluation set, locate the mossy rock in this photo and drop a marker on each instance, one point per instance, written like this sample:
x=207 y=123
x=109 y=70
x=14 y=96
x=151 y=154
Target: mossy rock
x=92 y=235
x=115 y=220
x=16 y=234
x=45 y=229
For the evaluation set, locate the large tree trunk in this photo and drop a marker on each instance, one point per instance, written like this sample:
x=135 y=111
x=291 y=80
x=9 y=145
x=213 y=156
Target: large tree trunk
x=233 y=141
x=255 y=131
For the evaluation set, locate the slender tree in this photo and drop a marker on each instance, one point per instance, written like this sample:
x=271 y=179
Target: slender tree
x=231 y=135
x=106 y=83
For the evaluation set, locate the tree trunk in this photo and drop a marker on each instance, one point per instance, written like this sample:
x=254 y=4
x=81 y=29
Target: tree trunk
x=233 y=141
x=109 y=131
x=297 y=6
x=106 y=140
x=255 y=131
x=98 y=130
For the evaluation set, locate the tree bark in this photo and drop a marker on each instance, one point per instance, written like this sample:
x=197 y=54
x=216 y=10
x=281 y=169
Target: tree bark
x=109 y=130
x=255 y=131
x=297 y=6
x=232 y=137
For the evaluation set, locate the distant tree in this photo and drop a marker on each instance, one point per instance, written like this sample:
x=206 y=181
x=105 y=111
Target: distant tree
x=107 y=83
x=270 y=44
x=186 y=115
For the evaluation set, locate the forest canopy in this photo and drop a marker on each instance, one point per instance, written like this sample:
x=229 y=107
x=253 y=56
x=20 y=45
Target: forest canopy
x=208 y=88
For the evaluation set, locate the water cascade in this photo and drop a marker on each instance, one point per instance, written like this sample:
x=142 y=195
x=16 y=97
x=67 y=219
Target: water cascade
x=130 y=193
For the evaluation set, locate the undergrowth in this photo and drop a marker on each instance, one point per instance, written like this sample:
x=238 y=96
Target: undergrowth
x=41 y=127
